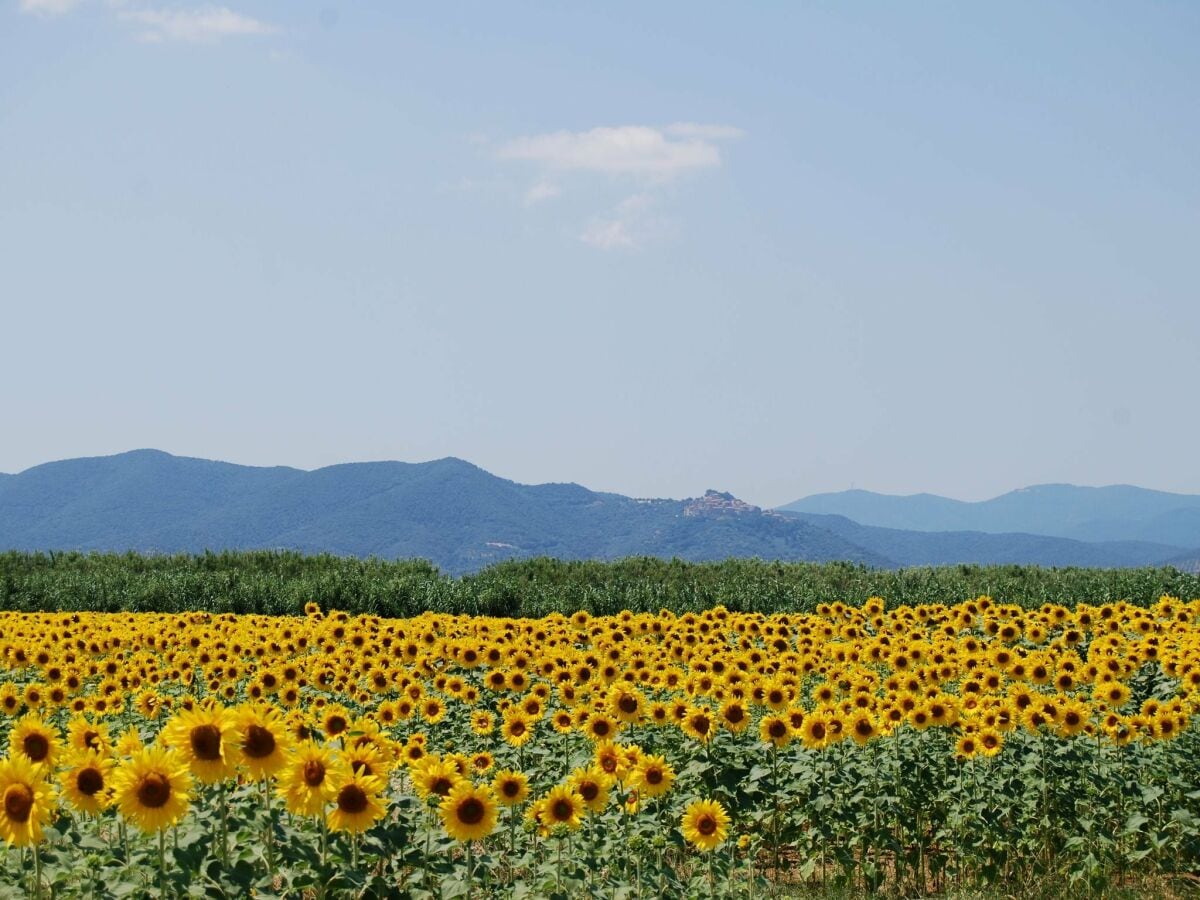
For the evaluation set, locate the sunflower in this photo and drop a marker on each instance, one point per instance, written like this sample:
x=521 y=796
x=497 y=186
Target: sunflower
x=562 y=806
x=991 y=742
x=130 y=742
x=734 y=716
x=34 y=739
x=653 y=776
x=87 y=781
x=482 y=722
x=435 y=776
x=592 y=784
x=200 y=736
x=482 y=762
x=335 y=720
x=27 y=801
x=968 y=746
x=814 y=734
x=863 y=728
x=469 y=812
x=611 y=760
x=510 y=787
x=308 y=778
x=1072 y=719
x=705 y=824
x=775 y=730
x=153 y=787
x=600 y=727
x=433 y=710
x=517 y=729
x=698 y=724
x=260 y=739
x=369 y=759
x=627 y=704
x=357 y=804
x=83 y=735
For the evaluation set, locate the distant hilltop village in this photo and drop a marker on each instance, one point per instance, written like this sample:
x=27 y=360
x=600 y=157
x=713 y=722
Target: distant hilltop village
x=722 y=502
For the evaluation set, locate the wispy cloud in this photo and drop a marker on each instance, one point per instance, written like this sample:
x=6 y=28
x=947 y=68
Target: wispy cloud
x=659 y=153
x=631 y=224
x=649 y=156
x=197 y=24
x=203 y=25
x=47 y=7
x=543 y=190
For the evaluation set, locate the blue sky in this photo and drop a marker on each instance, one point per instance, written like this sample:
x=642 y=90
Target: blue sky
x=652 y=248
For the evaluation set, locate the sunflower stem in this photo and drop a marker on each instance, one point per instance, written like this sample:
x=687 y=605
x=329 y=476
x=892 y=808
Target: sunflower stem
x=37 y=872
x=162 y=862
x=470 y=868
x=558 y=869
x=224 y=794
x=270 y=827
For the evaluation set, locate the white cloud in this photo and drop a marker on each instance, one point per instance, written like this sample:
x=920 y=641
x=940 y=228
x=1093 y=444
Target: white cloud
x=48 y=7
x=631 y=224
x=651 y=156
x=640 y=150
x=607 y=234
x=543 y=190
x=210 y=23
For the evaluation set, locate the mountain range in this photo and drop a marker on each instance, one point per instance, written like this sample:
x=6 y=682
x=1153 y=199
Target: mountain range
x=1119 y=512
x=462 y=518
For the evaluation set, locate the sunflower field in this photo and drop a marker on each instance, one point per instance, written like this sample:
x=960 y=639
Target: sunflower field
x=909 y=750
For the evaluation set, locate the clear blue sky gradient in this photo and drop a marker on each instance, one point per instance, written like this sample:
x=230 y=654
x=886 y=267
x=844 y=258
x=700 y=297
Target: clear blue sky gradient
x=954 y=249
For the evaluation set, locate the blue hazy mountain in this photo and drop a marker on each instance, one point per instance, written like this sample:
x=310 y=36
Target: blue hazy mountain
x=461 y=518
x=936 y=548
x=1115 y=513
x=447 y=511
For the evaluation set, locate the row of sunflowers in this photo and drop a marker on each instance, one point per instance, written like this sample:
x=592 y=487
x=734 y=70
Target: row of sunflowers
x=917 y=749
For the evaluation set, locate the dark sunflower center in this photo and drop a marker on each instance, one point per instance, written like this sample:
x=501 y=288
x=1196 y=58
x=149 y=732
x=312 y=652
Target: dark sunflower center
x=314 y=773
x=510 y=789
x=863 y=727
x=91 y=739
x=361 y=766
x=775 y=697
x=259 y=742
x=352 y=799
x=335 y=725
x=562 y=810
x=654 y=776
x=36 y=746
x=441 y=786
x=89 y=781
x=470 y=811
x=817 y=730
x=700 y=723
x=600 y=728
x=777 y=729
x=628 y=705
x=206 y=742
x=153 y=791
x=18 y=803
x=707 y=825
x=517 y=728
x=589 y=790
x=735 y=714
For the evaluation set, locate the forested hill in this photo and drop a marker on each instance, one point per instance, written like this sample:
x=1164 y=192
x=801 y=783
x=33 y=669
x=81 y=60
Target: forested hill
x=448 y=511
x=462 y=518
